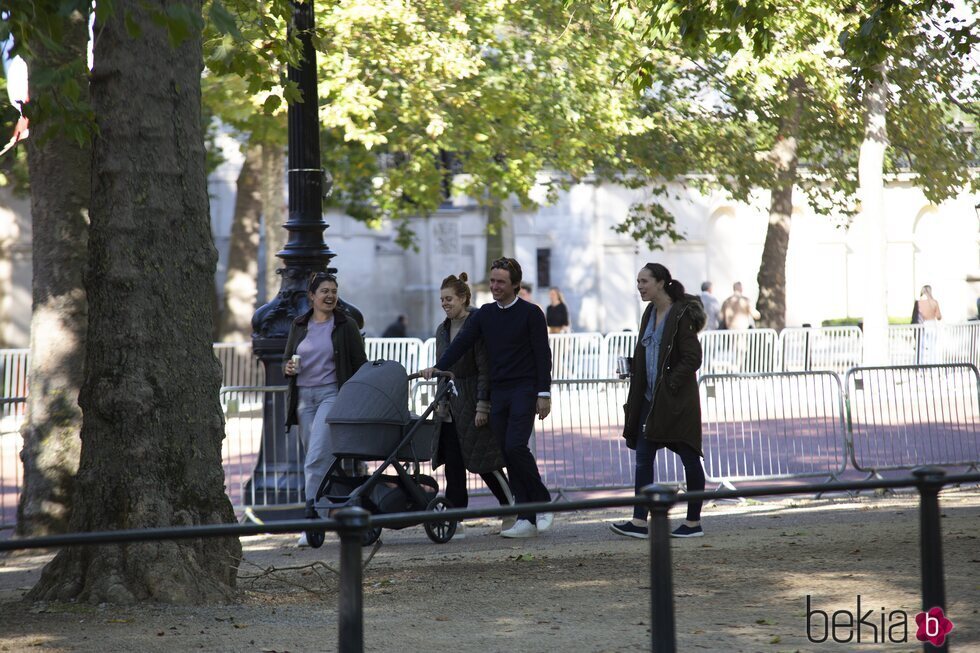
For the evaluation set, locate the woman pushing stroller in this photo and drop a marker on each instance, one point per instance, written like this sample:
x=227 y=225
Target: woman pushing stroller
x=323 y=351
x=465 y=439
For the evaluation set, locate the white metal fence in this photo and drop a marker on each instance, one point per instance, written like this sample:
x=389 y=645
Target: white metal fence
x=837 y=349
x=934 y=344
x=911 y=415
x=772 y=426
x=579 y=444
x=739 y=352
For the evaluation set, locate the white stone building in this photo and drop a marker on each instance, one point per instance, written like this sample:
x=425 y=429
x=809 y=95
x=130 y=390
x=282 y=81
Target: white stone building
x=595 y=267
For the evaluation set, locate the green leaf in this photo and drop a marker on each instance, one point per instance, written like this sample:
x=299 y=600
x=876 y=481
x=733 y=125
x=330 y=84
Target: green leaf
x=223 y=20
x=271 y=104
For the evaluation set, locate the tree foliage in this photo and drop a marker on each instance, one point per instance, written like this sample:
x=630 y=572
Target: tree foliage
x=501 y=92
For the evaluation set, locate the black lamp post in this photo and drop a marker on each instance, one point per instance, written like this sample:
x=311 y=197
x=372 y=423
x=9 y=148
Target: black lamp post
x=278 y=475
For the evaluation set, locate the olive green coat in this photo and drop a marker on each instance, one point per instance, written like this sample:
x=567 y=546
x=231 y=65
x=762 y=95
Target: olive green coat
x=676 y=413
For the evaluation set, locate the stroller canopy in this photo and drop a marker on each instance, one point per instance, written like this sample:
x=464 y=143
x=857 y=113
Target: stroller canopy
x=377 y=393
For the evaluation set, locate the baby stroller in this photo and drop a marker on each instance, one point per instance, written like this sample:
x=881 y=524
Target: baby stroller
x=370 y=421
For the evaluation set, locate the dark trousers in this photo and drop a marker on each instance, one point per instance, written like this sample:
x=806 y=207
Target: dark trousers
x=646 y=456
x=455 y=470
x=512 y=413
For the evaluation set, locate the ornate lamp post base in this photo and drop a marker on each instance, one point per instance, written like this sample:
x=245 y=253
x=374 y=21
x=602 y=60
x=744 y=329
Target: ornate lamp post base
x=278 y=476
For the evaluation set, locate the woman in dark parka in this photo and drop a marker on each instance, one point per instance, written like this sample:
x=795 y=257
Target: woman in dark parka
x=465 y=440
x=663 y=408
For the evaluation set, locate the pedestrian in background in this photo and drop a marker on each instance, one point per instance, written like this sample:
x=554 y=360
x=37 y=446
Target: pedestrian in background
x=556 y=315
x=712 y=307
x=397 y=329
x=926 y=308
x=737 y=312
x=663 y=407
x=926 y=312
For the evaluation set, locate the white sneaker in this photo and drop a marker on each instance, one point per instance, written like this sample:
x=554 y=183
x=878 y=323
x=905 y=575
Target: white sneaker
x=545 y=520
x=523 y=528
x=460 y=533
x=507 y=523
x=302 y=542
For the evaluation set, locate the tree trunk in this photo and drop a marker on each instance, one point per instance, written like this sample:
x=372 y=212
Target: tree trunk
x=241 y=287
x=274 y=213
x=871 y=182
x=60 y=173
x=772 y=269
x=152 y=429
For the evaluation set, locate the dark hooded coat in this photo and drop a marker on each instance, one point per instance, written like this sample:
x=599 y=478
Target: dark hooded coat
x=676 y=413
x=479 y=446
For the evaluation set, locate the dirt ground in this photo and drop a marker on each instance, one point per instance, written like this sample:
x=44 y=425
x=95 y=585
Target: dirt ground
x=743 y=587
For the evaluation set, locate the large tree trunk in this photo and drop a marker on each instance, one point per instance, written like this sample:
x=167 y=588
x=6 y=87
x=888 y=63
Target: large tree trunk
x=60 y=172
x=871 y=163
x=772 y=269
x=274 y=213
x=152 y=430
x=241 y=287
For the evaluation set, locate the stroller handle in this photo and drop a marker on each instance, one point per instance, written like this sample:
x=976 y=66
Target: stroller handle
x=436 y=374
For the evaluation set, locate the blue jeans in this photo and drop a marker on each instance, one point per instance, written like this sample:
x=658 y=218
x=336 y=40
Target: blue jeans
x=312 y=409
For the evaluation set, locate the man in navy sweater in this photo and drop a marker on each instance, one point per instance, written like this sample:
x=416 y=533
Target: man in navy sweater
x=516 y=338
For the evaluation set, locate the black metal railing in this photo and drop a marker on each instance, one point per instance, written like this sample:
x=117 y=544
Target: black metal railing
x=352 y=523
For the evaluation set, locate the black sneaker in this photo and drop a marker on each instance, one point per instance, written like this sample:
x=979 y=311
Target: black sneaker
x=687 y=531
x=629 y=529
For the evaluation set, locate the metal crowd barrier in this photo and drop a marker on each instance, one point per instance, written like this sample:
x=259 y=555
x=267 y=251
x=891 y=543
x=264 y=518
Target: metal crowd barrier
x=14 y=364
x=580 y=445
x=238 y=366
x=410 y=352
x=904 y=416
x=837 y=349
x=576 y=355
x=250 y=470
x=772 y=426
x=752 y=351
x=934 y=343
x=429 y=353
x=11 y=469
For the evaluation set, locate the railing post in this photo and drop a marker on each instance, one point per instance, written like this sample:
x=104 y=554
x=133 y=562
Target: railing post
x=663 y=637
x=353 y=523
x=930 y=482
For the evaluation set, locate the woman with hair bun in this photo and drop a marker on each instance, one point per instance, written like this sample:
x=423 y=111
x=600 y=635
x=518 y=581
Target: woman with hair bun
x=465 y=440
x=663 y=408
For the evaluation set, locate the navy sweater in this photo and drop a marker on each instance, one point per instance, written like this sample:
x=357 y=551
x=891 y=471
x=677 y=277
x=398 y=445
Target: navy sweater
x=516 y=340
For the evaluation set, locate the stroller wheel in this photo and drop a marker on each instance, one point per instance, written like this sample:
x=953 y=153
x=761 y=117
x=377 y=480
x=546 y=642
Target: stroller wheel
x=315 y=538
x=440 y=532
x=371 y=536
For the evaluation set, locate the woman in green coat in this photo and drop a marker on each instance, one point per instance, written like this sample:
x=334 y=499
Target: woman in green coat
x=663 y=408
